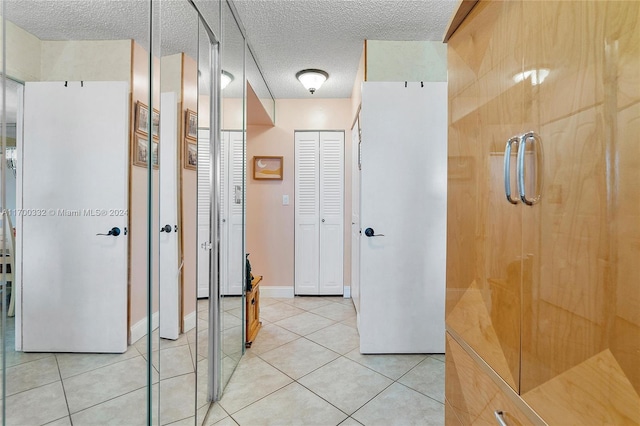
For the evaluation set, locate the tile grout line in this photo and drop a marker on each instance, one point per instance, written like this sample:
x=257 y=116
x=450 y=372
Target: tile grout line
x=64 y=391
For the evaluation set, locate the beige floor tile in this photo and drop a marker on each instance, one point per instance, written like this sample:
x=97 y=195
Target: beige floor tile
x=174 y=362
x=350 y=422
x=189 y=421
x=232 y=340
x=335 y=311
x=31 y=375
x=299 y=357
x=73 y=364
x=292 y=405
x=338 y=337
x=177 y=398
x=253 y=379
x=97 y=386
x=237 y=312
x=399 y=405
x=439 y=357
x=129 y=409
x=15 y=358
x=345 y=384
x=270 y=337
x=180 y=341
x=65 y=421
x=309 y=302
x=427 y=378
x=231 y=302
x=227 y=421
x=304 y=323
x=352 y=321
x=37 y=406
x=266 y=301
x=392 y=366
x=214 y=414
x=203 y=304
x=278 y=311
x=230 y=321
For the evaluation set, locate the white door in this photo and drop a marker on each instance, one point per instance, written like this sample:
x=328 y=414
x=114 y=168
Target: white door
x=403 y=200
x=74 y=187
x=169 y=270
x=204 y=210
x=319 y=210
x=355 y=215
x=331 y=213
x=307 y=209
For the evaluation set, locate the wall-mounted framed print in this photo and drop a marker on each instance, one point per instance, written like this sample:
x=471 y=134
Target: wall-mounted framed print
x=155 y=153
x=268 y=168
x=142 y=120
x=190 y=154
x=191 y=125
x=155 y=123
x=140 y=151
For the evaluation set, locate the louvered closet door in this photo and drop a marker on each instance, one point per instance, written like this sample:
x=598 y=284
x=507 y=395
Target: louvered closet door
x=331 y=212
x=235 y=202
x=204 y=197
x=307 y=177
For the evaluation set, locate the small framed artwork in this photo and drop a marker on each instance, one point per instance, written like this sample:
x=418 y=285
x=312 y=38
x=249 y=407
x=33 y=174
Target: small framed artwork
x=191 y=125
x=140 y=150
x=190 y=154
x=268 y=168
x=155 y=123
x=142 y=118
x=155 y=152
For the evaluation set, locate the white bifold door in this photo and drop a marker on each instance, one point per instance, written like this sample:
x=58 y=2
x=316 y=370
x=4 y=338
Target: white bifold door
x=72 y=218
x=231 y=212
x=319 y=212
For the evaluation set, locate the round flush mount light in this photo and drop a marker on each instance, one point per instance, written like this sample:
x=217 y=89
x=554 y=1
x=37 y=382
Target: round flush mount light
x=226 y=79
x=312 y=79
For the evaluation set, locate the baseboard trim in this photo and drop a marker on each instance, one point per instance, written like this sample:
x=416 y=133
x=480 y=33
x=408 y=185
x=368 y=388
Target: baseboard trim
x=347 y=292
x=190 y=321
x=283 y=292
x=139 y=329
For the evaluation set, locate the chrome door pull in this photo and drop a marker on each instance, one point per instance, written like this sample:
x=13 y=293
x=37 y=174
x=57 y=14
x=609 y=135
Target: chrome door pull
x=507 y=168
x=520 y=171
x=499 y=417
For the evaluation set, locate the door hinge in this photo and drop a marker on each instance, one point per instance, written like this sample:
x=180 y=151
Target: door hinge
x=206 y=245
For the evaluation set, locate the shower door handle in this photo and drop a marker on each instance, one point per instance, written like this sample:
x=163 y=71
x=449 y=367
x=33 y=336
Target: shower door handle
x=535 y=138
x=507 y=168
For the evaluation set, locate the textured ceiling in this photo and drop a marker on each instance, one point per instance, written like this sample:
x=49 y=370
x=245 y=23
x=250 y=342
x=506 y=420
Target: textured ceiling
x=290 y=35
x=286 y=35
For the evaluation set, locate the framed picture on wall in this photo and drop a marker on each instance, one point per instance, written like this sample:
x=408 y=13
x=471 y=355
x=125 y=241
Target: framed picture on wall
x=190 y=154
x=142 y=118
x=140 y=154
x=155 y=152
x=268 y=168
x=155 y=123
x=191 y=125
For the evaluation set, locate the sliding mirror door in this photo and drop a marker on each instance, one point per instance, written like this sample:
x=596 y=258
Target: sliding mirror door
x=174 y=343
x=77 y=309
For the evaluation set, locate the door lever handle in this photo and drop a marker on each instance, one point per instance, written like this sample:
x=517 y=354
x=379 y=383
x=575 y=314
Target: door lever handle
x=115 y=231
x=166 y=228
x=369 y=232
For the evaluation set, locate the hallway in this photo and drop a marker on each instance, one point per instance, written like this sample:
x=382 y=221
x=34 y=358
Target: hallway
x=305 y=368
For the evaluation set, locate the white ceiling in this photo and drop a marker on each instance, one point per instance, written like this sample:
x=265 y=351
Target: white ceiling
x=286 y=35
x=290 y=35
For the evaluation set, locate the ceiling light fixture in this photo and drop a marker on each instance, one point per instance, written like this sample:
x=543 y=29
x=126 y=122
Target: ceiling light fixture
x=312 y=79
x=227 y=78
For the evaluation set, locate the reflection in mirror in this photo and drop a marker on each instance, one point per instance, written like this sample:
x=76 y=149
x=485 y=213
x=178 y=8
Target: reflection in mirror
x=78 y=339
x=260 y=91
x=175 y=350
x=232 y=188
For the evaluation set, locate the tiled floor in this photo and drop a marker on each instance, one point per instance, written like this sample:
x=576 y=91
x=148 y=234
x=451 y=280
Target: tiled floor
x=303 y=369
